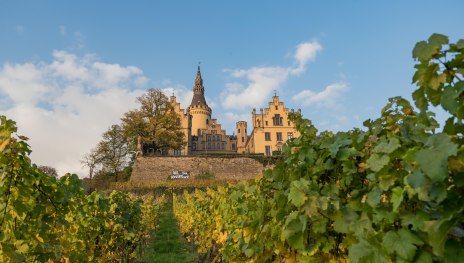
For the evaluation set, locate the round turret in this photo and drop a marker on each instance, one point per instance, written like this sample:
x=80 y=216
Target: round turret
x=198 y=109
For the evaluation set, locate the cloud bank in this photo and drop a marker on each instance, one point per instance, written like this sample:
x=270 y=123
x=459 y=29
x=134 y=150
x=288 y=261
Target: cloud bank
x=65 y=105
x=261 y=81
x=329 y=97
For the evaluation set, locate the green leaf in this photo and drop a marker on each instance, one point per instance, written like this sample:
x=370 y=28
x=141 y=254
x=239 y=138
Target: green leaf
x=454 y=251
x=386 y=181
x=387 y=146
x=402 y=242
x=414 y=221
x=424 y=257
x=397 y=197
x=376 y=162
x=373 y=198
x=437 y=231
x=419 y=99
x=319 y=226
x=433 y=160
x=449 y=99
x=460 y=44
x=297 y=195
x=343 y=219
x=364 y=252
x=424 y=51
x=417 y=179
x=438 y=39
x=294 y=229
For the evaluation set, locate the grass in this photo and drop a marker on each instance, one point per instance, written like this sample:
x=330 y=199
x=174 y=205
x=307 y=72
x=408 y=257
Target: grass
x=168 y=245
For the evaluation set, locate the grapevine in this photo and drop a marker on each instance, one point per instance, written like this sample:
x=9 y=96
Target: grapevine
x=43 y=218
x=390 y=193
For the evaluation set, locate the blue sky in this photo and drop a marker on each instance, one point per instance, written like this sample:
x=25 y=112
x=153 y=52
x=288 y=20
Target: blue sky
x=69 y=69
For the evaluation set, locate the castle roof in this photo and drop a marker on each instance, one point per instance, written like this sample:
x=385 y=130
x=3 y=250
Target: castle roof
x=198 y=91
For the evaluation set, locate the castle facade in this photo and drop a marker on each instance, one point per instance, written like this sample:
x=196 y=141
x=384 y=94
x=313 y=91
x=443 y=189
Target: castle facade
x=271 y=128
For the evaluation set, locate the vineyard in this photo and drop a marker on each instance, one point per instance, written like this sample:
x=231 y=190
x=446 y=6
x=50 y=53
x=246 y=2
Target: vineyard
x=390 y=193
x=47 y=219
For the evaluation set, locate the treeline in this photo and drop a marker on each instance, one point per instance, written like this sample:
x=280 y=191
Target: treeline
x=154 y=123
x=391 y=193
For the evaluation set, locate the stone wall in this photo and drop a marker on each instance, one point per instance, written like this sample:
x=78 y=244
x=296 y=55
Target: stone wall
x=148 y=169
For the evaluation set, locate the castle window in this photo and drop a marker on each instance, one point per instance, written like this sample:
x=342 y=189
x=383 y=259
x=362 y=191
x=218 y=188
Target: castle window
x=218 y=137
x=208 y=138
x=268 y=150
x=289 y=135
x=266 y=123
x=238 y=131
x=194 y=146
x=288 y=123
x=267 y=136
x=222 y=146
x=218 y=146
x=209 y=146
x=233 y=146
x=277 y=120
x=243 y=139
x=207 y=121
x=279 y=136
x=276 y=107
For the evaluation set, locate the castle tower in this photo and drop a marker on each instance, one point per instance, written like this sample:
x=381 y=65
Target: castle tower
x=198 y=109
x=241 y=136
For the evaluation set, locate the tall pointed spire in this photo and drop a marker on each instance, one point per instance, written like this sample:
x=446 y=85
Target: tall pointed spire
x=198 y=90
x=198 y=79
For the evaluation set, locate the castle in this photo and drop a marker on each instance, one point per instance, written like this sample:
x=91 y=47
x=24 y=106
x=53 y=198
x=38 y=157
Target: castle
x=271 y=128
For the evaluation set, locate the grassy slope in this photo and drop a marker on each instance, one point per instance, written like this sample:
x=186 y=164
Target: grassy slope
x=168 y=245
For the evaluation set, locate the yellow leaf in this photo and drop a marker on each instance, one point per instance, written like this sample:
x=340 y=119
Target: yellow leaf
x=4 y=144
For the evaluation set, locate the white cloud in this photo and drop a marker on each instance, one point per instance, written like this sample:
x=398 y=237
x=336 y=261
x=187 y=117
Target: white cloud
x=64 y=106
x=229 y=119
x=183 y=95
x=306 y=52
x=329 y=97
x=261 y=81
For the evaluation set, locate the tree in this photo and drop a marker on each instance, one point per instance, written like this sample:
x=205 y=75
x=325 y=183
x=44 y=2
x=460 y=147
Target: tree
x=155 y=122
x=113 y=151
x=91 y=160
x=48 y=170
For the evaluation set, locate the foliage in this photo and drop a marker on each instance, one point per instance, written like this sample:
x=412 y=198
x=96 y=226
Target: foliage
x=43 y=218
x=113 y=151
x=205 y=175
x=155 y=121
x=391 y=193
x=178 y=184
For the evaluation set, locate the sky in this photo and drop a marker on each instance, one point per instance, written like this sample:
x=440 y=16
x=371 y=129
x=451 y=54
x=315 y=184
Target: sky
x=70 y=69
